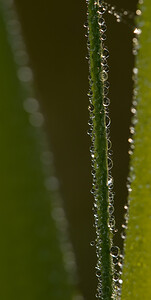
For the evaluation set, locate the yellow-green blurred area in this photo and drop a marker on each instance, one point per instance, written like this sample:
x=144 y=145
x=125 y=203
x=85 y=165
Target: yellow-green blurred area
x=54 y=36
x=137 y=268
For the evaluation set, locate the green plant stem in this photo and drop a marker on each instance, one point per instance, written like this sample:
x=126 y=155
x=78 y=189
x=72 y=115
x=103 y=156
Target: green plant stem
x=100 y=153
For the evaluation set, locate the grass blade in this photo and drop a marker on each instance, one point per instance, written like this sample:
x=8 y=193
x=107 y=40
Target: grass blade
x=32 y=264
x=137 y=263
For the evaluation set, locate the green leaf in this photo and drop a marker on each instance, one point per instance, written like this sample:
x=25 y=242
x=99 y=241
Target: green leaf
x=31 y=261
x=137 y=263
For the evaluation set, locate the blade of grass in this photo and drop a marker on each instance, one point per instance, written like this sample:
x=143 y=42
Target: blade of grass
x=31 y=259
x=137 y=263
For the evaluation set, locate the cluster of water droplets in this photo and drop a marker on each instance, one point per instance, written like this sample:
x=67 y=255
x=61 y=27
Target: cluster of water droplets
x=120 y=15
x=123 y=16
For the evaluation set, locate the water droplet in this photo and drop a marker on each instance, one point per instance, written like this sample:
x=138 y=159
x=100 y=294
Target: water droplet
x=103 y=62
x=133 y=110
x=90 y=122
x=103 y=27
x=101 y=20
x=98 y=273
x=89 y=132
x=90 y=93
x=126 y=207
x=109 y=144
x=103 y=37
x=129 y=189
x=132 y=130
x=106 y=68
x=106 y=85
x=31 y=105
x=111 y=209
x=110 y=152
x=102 y=9
x=106 y=101
x=36 y=119
x=105 y=91
x=85 y=25
x=25 y=74
x=137 y=31
x=135 y=71
x=104 y=75
x=92 y=243
x=115 y=260
x=138 y=12
x=110 y=163
x=119 y=19
x=134 y=51
x=111 y=198
x=134 y=103
x=120 y=260
x=112 y=222
x=114 y=251
x=91 y=108
x=130 y=140
x=110 y=180
x=123 y=235
x=125 y=12
x=134 y=121
x=92 y=191
x=98 y=296
x=92 y=155
x=107 y=121
x=93 y=172
x=92 y=149
x=124 y=226
x=116 y=276
x=110 y=186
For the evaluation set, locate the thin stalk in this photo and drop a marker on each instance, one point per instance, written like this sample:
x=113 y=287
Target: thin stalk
x=99 y=156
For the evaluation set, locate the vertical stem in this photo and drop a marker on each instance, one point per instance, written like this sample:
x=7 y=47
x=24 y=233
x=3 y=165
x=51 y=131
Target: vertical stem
x=99 y=157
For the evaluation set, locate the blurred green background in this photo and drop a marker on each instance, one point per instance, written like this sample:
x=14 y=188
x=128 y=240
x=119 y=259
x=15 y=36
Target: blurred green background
x=54 y=36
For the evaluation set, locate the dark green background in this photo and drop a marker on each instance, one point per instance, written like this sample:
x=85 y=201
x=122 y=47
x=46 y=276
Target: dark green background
x=54 y=36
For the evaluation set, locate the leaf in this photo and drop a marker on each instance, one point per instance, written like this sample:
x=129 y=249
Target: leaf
x=31 y=259
x=137 y=263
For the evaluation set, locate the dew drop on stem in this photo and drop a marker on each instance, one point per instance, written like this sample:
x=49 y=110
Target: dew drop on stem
x=114 y=251
x=92 y=243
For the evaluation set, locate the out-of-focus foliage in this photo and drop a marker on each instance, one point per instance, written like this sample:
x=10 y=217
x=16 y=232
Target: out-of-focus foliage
x=31 y=261
x=137 y=265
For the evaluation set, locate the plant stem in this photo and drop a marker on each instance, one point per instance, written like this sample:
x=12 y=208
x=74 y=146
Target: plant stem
x=99 y=156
